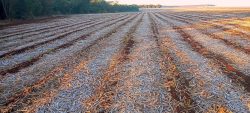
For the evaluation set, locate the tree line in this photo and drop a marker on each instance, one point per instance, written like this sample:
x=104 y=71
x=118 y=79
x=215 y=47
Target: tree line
x=21 y=9
x=150 y=6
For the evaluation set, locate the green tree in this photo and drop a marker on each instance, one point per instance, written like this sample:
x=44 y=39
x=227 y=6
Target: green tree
x=33 y=8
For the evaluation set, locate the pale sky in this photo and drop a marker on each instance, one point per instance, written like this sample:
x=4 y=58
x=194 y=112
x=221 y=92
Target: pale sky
x=229 y=3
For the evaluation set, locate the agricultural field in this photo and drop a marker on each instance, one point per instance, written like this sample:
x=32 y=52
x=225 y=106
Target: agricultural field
x=154 y=61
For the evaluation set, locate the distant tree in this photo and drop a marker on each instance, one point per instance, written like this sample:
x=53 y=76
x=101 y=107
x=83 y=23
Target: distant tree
x=61 y=6
x=2 y=11
x=80 y=6
x=150 y=6
x=33 y=8
x=20 y=9
x=5 y=6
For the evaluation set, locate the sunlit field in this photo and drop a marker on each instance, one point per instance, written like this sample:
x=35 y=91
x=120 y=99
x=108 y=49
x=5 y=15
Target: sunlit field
x=169 y=60
x=210 y=9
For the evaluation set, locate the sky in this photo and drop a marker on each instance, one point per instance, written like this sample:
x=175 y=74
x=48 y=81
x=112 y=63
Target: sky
x=228 y=3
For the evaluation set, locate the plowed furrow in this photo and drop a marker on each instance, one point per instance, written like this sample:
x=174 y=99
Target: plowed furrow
x=21 y=97
x=31 y=61
x=42 y=30
x=205 y=17
x=227 y=67
x=20 y=43
x=34 y=36
x=22 y=36
x=208 y=87
x=224 y=27
x=152 y=61
x=142 y=81
x=220 y=23
x=27 y=28
x=31 y=46
x=104 y=96
x=175 y=82
x=94 y=72
x=20 y=26
x=200 y=17
x=22 y=31
x=231 y=54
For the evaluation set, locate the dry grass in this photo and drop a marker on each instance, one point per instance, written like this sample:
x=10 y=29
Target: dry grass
x=219 y=109
x=211 y=9
x=240 y=23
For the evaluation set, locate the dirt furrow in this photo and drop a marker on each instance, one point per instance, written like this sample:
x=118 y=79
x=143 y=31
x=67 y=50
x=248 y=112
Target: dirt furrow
x=175 y=82
x=200 y=18
x=153 y=61
x=55 y=24
x=24 y=34
x=29 y=46
x=35 y=36
x=215 y=23
x=37 y=56
x=239 y=41
x=209 y=16
x=142 y=86
x=32 y=24
x=105 y=51
x=20 y=64
x=15 y=44
x=139 y=88
x=226 y=65
x=32 y=27
x=30 y=61
x=211 y=85
x=224 y=27
x=237 y=58
x=21 y=97
x=104 y=95
x=234 y=42
x=222 y=23
x=24 y=37
x=231 y=34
